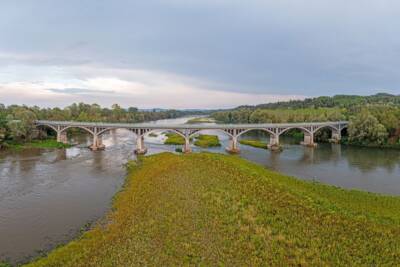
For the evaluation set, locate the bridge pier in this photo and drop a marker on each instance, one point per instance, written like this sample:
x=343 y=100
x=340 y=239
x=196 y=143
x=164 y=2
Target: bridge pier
x=336 y=137
x=62 y=137
x=233 y=145
x=186 y=146
x=140 y=148
x=97 y=143
x=309 y=140
x=274 y=142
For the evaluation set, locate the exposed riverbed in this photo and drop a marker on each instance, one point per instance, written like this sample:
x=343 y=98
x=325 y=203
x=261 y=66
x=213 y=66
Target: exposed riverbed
x=47 y=196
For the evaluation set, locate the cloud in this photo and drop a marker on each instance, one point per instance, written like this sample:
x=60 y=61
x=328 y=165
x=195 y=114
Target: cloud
x=79 y=91
x=258 y=47
x=143 y=89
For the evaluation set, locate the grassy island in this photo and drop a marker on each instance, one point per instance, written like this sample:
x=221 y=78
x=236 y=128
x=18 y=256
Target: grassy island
x=46 y=143
x=202 y=140
x=205 y=140
x=174 y=139
x=210 y=209
x=254 y=143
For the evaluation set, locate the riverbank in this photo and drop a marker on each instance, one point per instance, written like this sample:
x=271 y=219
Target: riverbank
x=210 y=209
x=45 y=144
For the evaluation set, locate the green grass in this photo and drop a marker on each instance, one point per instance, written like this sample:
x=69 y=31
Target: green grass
x=205 y=140
x=46 y=143
x=216 y=210
x=254 y=143
x=200 y=120
x=174 y=139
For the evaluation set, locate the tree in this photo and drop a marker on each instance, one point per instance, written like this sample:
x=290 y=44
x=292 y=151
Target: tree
x=365 y=129
x=21 y=124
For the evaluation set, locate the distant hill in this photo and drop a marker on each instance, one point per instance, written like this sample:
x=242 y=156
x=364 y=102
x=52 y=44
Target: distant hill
x=342 y=101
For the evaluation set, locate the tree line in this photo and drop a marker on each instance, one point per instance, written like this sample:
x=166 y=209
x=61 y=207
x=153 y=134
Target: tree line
x=373 y=120
x=17 y=122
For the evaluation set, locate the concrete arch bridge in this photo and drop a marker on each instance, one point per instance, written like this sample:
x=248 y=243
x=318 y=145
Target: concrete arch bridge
x=234 y=131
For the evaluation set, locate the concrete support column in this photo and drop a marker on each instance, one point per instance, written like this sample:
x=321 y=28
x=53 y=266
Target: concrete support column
x=97 y=142
x=233 y=145
x=186 y=146
x=274 y=142
x=309 y=139
x=336 y=137
x=140 y=148
x=62 y=137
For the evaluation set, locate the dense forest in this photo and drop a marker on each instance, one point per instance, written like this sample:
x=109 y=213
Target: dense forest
x=17 y=122
x=373 y=120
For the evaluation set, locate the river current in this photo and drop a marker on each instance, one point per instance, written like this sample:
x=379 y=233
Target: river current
x=48 y=196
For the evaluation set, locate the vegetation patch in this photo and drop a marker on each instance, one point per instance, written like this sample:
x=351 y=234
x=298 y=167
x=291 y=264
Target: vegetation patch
x=174 y=139
x=210 y=209
x=200 y=120
x=205 y=140
x=153 y=135
x=5 y=264
x=45 y=144
x=254 y=143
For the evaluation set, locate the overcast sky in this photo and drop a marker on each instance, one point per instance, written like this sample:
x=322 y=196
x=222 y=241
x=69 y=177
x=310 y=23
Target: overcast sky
x=195 y=54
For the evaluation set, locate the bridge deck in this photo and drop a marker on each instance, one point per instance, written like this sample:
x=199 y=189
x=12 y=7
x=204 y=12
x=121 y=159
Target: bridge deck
x=188 y=126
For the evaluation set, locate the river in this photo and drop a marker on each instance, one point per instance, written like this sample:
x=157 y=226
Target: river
x=48 y=196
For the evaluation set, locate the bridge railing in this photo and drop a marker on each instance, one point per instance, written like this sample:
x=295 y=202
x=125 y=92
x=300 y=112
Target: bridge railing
x=188 y=126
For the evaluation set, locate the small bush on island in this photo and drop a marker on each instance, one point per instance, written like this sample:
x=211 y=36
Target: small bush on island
x=211 y=209
x=153 y=135
x=254 y=143
x=205 y=140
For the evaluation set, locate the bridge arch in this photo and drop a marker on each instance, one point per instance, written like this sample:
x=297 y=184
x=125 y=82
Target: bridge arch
x=100 y=133
x=77 y=126
x=170 y=130
x=303 y=129
x=331 y=127
x=48 y=126
x=256 y=129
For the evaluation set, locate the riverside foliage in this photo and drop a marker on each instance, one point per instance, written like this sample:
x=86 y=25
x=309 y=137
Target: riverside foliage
x=374 y=120
x=17 y=122
x=209 y=209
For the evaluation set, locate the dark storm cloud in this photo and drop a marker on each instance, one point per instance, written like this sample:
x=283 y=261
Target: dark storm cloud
x=275 y=47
